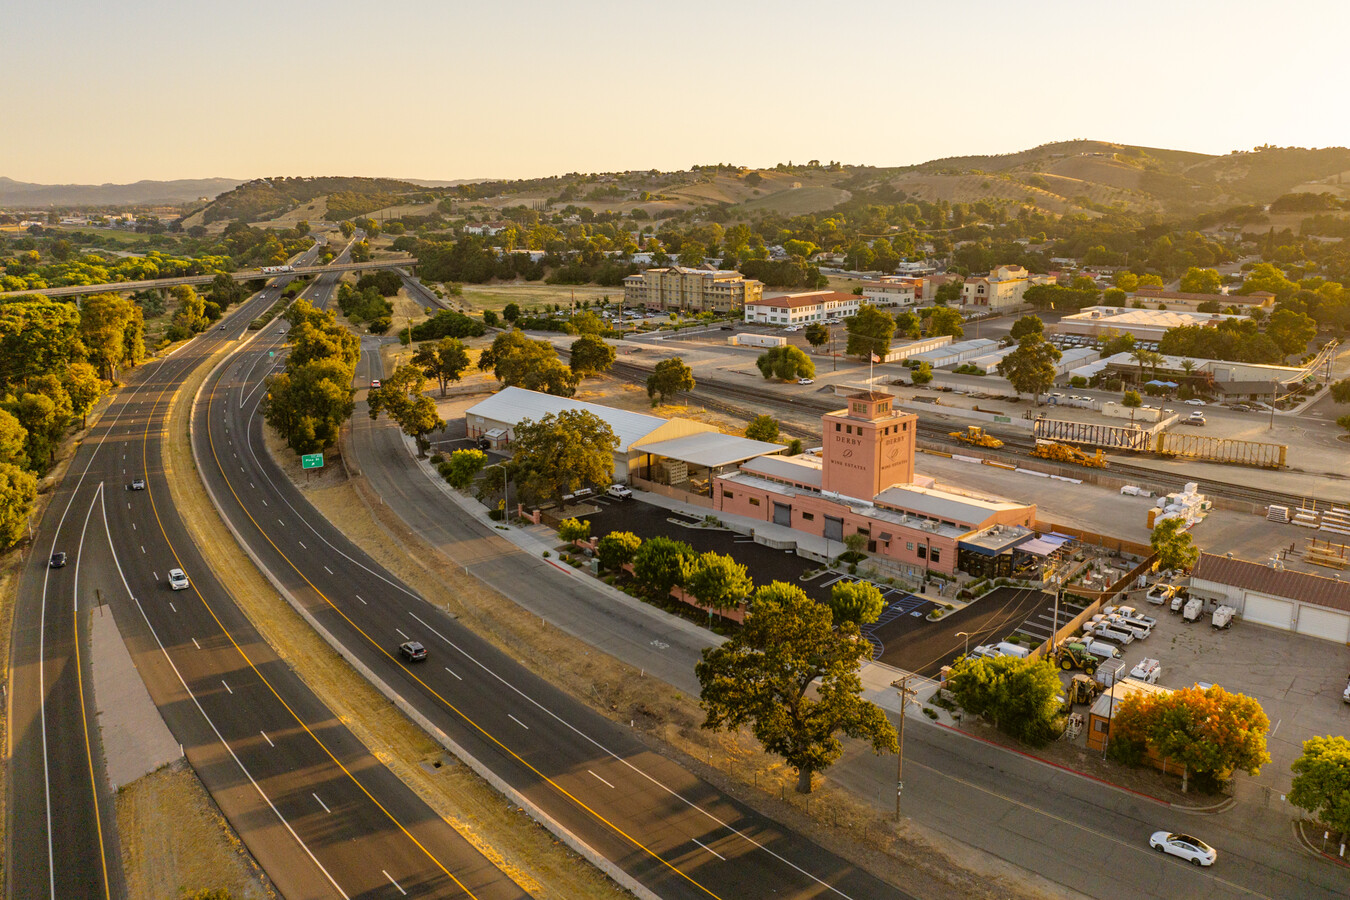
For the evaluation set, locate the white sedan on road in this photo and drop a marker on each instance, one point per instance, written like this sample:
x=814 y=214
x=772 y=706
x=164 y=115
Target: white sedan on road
x=1185 y=846
x=806 y=381
x=1194 y=402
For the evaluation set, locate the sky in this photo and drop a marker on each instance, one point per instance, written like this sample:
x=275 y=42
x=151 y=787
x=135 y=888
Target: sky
x=442 y=89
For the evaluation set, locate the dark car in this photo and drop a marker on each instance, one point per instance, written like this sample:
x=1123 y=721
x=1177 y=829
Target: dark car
x=137 y=484
x=484 y=444
x=57 y=561
x=413 y=651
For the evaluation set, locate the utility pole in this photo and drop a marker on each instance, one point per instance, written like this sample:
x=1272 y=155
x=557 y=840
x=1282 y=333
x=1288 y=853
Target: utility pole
x=902 y=686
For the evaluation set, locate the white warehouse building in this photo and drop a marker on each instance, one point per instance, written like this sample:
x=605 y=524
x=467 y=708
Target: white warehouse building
x=1281 y=598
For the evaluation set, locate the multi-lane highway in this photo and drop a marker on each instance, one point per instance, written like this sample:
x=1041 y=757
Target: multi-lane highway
x=666 y=830
x=319 y=813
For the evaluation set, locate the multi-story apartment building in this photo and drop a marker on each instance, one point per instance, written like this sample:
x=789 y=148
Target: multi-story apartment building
x=892 y=291
x=679 y=287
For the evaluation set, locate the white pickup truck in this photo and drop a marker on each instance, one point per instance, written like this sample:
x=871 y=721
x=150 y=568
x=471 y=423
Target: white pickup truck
x=618 y=492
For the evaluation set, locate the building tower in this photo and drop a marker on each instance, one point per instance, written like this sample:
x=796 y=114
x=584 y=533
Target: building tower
x=867 y=447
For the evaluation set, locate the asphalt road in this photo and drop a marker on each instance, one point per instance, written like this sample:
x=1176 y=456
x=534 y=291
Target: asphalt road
x=317 y=811
x=668 y=829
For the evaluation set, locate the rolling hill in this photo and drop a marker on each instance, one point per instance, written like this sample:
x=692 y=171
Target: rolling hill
x=26 y=195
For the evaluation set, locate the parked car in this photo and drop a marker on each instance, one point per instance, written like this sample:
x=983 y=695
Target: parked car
x=1184 y=846
x=58 y=560
x=618 y=492
x=413 y=651
x=178 y=580
x=1195 y=418
x=806 y=381
x=1194 y=401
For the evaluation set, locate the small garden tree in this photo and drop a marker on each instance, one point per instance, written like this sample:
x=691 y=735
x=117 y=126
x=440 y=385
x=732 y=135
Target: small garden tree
x=859 y=602
x=763 y=427
x=574 y=529
x=660 y=564
x=1322 y=782
x=785 y=363
x=463 y=467
x=1174 y=545
x=616 y=549
x=718 y=581
x=1020 y=696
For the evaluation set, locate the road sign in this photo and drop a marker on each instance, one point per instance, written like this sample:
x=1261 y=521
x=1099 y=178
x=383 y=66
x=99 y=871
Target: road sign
x=271 y=353
x=311 y=461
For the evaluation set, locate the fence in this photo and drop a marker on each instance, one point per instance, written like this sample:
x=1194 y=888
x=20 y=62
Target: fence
x=674 y=493
x=1075 y=625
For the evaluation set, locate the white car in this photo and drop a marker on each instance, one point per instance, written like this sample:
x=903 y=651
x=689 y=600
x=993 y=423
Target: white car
x=1185 y=846
x=618 y=492
x=178 y=580
x=806 y=381
x=1194 y=402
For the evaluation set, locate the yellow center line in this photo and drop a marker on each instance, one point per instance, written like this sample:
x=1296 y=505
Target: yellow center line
x=228 y=634
x=473 y=724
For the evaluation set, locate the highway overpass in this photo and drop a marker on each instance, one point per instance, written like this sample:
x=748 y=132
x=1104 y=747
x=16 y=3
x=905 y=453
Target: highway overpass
x=75 y=290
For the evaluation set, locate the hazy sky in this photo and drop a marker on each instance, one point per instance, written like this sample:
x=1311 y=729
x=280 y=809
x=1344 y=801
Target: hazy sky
x=98 y=91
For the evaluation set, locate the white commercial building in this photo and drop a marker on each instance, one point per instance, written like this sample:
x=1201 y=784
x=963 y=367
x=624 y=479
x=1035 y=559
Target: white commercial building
x=892 y=291
x=957 y=353
x=1144 y=324
x=802 y=309
x=496 y=418
x=1271 y=595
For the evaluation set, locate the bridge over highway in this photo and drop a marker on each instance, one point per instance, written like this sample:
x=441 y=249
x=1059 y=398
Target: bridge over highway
x=75 y=290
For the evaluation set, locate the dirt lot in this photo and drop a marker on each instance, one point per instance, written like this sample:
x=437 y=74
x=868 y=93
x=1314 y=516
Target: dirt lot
x=496 y=296
x=175 y=841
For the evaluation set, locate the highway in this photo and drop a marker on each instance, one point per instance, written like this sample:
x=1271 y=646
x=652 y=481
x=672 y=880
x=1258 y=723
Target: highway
x=317 y=811
x=672 y=833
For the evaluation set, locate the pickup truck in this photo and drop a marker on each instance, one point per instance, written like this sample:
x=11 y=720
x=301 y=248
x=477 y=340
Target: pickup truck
x=1147 y=671
x=1122 y=623
x=1105 y=631
x=1160 y=594
x=618 y=492
x=1132 y=614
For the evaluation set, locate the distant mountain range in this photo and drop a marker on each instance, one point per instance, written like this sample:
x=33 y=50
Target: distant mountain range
x=23 y=195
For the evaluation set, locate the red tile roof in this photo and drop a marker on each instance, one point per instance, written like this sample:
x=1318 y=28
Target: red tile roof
x=1316 y=589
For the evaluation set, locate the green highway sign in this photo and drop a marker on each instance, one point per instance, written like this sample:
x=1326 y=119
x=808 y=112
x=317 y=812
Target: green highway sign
x=311 y=461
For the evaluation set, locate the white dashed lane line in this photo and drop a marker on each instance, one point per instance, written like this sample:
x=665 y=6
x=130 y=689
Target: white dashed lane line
x=518 y=722
x=709 y=849
x=601 y=780
x=452 y=672
x=325 y=805
x=400 y=631
x=227 y=686
x=266 y=738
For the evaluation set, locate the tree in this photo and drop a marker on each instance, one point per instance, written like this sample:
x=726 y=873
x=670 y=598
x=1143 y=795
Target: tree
x=521 y=362
x=1113 y=297
x=763 y=427
x=660 y=564
x=761 y=677
x=191 y=315
x=1200 y=281
x=1020 y=696
x=104 y=319
x=786 y=363
x=36 y=414
x=574 y=529
x=490 y=318
x=1144 y=358
x=18 y=490
x=869 y=332
x=668 y=378
x=817 y=334
x=948 y=292
x=1209 y=731
x=1150 y=281
x=1344 y=421
x=859 y=602
x=1027 y=325
x=13 y=440
x=84 y=387
x=307 y=404
x=692 y=253
x=921 y=374
x=591 y=356
x=1340 y=391
x=445 y=361
x=717 y=581
x=1322 y=782
x=1126 y=280
x=1113 y=343
x=1030 y=369
x=1266 y=277
x=1131 y=401
x=1291 y=330
x=907 y=325
x=1174 y=546
x=560 y=453
x=463 y=467
x=511 y=312
x=945 y=321
x=616 y=549
x=401 y=396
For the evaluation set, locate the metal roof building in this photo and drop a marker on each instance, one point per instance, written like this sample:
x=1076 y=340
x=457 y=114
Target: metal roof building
x=1270 y=594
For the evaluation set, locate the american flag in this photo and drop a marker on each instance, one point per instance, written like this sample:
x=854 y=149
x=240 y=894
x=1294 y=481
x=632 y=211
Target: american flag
x=876 y=358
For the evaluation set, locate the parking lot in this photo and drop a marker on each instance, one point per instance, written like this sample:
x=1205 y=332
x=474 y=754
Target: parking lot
x=924 y=647
x=1297 y=679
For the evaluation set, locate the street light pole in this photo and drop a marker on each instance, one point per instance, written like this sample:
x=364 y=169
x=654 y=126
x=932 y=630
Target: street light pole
x=966 y=635
x=902 y=686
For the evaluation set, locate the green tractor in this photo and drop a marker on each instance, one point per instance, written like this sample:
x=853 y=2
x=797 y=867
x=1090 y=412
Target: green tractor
x=1076 y=656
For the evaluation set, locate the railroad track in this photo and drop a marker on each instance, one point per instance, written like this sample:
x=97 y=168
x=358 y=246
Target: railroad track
x=737 y=399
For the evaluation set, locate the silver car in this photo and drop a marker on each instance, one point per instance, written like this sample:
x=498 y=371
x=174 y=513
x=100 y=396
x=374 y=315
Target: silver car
x=1184 y=846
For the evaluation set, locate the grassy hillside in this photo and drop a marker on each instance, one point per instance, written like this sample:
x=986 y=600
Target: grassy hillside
x=267 y=198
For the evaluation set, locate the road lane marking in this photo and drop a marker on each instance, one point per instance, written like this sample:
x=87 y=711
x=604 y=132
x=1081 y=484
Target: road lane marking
x=518 y=722
x=400 y=631
x=302 y=545
x=325 y=568
x=452 y=672
x=394 y=883
x=172 y=607
x=195 y=644
x=227 y=687
x=602 y=781
x=268 y=739
x=362 y=599
x=142 y=548
x=316 y=797
x=709 y=849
